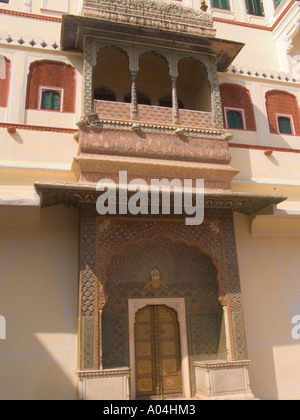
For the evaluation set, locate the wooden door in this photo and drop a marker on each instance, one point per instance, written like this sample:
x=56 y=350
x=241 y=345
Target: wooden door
x=157 y=352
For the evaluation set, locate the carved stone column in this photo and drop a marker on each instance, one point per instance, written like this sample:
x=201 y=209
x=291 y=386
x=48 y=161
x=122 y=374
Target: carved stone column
x=134 y=104
x=175 y=101
x=215 y=95
x=89 y=62
x=88 y=301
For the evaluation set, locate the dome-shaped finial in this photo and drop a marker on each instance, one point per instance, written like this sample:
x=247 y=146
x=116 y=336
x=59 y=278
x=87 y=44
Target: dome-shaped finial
x=204 y=6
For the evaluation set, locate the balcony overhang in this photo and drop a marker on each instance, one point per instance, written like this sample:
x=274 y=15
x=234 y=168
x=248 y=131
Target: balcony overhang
x=74 y=194
x=76 y=28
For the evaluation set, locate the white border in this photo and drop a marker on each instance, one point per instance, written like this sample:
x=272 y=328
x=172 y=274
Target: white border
x=227 y=108
x=178 y=304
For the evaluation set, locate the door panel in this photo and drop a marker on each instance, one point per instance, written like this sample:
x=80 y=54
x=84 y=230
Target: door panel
x=144 y=351
x=157 y=351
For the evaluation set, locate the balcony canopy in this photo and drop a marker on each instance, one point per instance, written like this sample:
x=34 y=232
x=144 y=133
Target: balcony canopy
x=154 y=23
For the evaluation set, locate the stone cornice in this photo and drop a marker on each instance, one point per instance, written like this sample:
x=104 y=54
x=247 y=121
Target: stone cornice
x=155 y=14
x=109 y=373
x=222 y=364
x=11 y=128
x=55 y=193
x=30 y=16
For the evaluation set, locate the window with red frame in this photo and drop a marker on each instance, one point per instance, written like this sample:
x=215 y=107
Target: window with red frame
x=56 y=78
x=283 y=112
x=4 y=81
x=236 y=99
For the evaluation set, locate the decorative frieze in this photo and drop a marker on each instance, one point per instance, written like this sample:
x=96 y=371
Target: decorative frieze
x=257 y=73
x=153 y=14
x=152 y=143
x=36 y=42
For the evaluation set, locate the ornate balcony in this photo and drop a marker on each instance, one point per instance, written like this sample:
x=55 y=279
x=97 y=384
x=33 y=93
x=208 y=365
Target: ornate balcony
x=163 y=52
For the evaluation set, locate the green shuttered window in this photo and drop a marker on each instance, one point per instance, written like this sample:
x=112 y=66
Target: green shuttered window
x=234 y=119
x=285 y=126
x=255 y=7
x=50 y=100
x=221 y=4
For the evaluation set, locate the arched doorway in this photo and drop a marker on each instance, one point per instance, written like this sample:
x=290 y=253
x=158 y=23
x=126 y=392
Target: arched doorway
x=187 y=277
x=157 y=352
x=172 y=358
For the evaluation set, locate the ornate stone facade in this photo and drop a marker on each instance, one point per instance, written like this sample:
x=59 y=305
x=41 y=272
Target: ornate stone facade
x=215 y=238
x=197 y=264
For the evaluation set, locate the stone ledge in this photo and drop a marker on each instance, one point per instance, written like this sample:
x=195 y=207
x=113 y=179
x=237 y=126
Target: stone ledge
x=223 y=380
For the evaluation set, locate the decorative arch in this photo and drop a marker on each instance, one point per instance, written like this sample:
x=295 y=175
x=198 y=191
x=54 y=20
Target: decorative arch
x=162 y=251
x=153 y=76
x=138 y=232
x=159 y=54
x=52 y=76
x=102 y=47
x=193 y=84
x=282 y=104
x=111 y=70
x=236 y=98
x=5 y=70
x=183 y=271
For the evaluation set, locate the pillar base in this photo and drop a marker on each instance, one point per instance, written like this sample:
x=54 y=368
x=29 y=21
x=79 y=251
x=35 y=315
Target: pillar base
x=223 y=380
x=112 y=384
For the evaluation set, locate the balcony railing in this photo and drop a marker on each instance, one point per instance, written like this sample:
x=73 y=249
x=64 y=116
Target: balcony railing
x=152 y=114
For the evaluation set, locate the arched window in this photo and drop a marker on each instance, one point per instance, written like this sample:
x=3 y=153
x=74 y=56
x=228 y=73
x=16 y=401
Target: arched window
x=283 y=112
x=51 y=100
x=51 y=85
x=237 y=107
x=4 y=80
